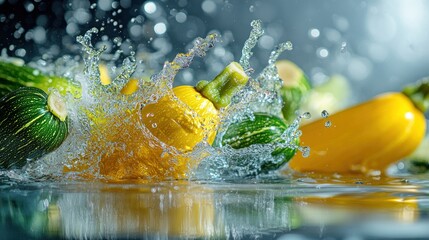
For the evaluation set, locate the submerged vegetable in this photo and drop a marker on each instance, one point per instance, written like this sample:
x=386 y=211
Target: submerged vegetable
x=294 y=90
x=179 y=120
x=32 y=124
x=13 y=77
x=263 y=129
x=368 y=137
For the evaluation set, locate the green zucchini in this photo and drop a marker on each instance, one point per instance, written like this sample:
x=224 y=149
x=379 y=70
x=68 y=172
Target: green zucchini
x=294 y=90
x=13 y=76
x=31 y=125
x=263 y=129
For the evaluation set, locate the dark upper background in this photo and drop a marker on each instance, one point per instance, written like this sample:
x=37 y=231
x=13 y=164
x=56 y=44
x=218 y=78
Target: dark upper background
x=379 y=45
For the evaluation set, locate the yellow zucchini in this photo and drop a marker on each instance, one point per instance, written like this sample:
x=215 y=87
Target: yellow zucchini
x=178 y=121
x=368 y=137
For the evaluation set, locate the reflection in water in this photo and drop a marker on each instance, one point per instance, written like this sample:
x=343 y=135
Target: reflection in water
x=206 y=211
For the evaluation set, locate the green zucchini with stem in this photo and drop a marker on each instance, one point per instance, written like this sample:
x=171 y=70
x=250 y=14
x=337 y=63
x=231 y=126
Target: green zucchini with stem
x=32 y=124
x=262 y=129
x=13 y=76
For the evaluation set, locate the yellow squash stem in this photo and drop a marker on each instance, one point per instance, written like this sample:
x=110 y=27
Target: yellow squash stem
x=366 y=138
x=149 y=142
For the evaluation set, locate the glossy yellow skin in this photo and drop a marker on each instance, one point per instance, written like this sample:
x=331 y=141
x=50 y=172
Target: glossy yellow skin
x=366 y=138
x=182 y=124
x=149 y=143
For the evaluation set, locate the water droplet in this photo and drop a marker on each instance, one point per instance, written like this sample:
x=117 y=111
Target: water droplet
x=343 y=47
x=328 y=124
x=160 y=28
x=93 y=6
x=181 y=17
x=314 y=33
x=150 y=7
x=305 y=151
x=306 y=115
x=251 y=8
x=324 y=114
x=209 y=6
x=154 y=125
x=322 y=52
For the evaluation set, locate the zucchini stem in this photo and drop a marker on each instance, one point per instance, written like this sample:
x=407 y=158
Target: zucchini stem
x=419 y=94
x=223 y=87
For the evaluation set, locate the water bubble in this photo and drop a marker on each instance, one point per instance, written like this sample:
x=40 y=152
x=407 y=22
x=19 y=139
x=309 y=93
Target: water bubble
x=115 y=5
x=29 y=7
x=135 y=31
x=39 y=35
x=322 y=52
x=209 y=6
x=105 y=5
x=328 y=124
x=150 y=7
x=324 y=114
x=251 y=8
x=93 y=6
x=314 y=33
x=160 y=28
x=181 y=17
x=266 y=42
x=20 y=52
x=154 y=125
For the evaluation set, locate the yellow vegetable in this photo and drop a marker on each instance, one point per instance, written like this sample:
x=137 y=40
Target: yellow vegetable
x=366 y=138
x=130 y=87
x=104 y=75
x=123 y=149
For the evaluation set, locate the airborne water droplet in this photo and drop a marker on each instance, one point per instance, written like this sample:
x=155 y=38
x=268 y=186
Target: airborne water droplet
x=305 y=151
x=328 y=124
x=306 y=115
x=324 y=114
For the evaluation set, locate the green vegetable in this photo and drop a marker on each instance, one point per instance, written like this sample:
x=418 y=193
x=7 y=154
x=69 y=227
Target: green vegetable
x=418 y=162
x=13 y=76
x=31 y=125
x=294 y=90
x=263 y=129
x=332 y=96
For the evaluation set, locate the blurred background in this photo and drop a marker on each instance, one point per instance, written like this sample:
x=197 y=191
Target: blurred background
x=378 y=45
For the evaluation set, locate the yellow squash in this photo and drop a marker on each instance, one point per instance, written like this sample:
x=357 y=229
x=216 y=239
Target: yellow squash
x=366 y=138
x=149 y=142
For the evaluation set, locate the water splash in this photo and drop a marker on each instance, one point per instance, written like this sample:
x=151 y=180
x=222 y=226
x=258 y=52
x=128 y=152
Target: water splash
x=250 y=43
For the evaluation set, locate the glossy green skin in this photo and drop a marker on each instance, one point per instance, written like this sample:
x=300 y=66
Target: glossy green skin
x=293 y=97
x=263 y=129
x=28 y=130
x=13 y=77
